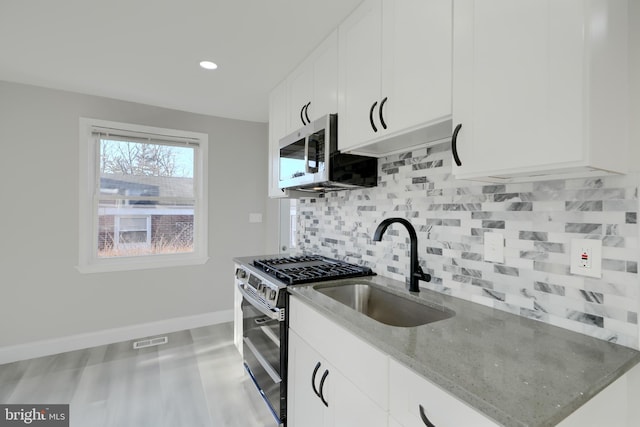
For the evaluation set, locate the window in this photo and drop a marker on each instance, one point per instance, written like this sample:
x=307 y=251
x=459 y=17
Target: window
x=142 y=197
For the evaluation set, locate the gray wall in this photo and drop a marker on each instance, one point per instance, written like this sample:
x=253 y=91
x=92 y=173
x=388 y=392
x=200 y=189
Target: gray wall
x=42 y=295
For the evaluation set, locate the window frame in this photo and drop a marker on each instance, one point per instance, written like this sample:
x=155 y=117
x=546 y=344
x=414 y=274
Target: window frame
x=89 y=195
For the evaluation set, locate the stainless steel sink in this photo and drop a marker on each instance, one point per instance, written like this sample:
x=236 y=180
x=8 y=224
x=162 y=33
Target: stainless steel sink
x=383 y=306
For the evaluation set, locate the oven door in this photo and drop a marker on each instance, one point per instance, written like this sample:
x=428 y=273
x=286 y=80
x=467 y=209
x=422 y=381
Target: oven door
x=264 y=349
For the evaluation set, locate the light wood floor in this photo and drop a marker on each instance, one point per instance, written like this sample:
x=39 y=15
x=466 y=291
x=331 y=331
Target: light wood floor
x=195 y=380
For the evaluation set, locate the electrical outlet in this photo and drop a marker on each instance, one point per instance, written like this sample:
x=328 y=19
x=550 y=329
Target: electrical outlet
x=586 y=257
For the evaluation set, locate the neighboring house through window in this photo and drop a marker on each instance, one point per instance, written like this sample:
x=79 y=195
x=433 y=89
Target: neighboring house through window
x=142 y=196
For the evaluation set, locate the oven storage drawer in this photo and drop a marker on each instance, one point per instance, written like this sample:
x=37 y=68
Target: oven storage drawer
x=365 y=366
x=264 y=381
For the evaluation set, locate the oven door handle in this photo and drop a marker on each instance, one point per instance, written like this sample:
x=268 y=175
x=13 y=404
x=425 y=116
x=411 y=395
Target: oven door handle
x=262 y=361
x=275 y=314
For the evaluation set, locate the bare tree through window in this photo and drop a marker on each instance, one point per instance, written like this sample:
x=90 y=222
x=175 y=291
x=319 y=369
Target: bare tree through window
x=150 y=185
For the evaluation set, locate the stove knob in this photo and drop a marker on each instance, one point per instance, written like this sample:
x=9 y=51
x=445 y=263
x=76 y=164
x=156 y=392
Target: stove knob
x=272 y=295
x=240 y=273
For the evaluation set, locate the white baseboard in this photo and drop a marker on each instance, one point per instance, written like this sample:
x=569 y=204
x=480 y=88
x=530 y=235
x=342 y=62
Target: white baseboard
x=48 y=347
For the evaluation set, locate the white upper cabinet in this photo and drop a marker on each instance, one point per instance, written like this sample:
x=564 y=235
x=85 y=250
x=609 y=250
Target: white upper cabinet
x=540 y=88
x=308 y=93
x=394 y=75
x=277 y=128
x=313 y=85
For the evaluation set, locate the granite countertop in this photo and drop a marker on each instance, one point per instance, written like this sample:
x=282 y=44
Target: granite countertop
x=515 y=370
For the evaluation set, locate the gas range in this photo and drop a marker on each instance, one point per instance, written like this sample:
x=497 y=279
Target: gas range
x=266 y=279
x=263 y=282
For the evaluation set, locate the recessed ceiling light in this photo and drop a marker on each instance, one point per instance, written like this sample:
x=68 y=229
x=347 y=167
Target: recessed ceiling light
x=208 y=65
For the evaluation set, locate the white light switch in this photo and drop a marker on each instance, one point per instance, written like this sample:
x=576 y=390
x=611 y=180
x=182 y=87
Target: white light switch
x=586 y=257
x=493 y=247
x=255 y=218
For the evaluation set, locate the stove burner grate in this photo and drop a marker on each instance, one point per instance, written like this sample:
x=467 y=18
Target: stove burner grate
x=310 y=268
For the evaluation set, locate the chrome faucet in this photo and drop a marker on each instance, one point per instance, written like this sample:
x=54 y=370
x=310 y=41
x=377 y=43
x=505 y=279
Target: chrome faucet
x=415 y=271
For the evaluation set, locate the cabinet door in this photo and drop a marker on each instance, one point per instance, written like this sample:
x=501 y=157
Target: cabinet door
x=277 y=129
x=359 y=38
x=305 y=408
x=300 y=84
x=351 y=407
x=325 y=78
x=364 y=365
x=344 y=404
x=313 y=85
x=518 y=79
x=414 y=400
x=416 y=62
x=395 y=75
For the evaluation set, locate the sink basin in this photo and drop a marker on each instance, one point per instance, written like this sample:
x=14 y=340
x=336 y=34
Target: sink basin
x=383 y=306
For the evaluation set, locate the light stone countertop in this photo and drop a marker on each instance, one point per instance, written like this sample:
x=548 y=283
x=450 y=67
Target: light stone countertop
x=515 y=370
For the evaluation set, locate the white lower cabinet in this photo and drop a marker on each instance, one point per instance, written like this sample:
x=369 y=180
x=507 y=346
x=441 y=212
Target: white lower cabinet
x=305 y=406
x=337 y=379
x=365 y=366
x=415 y=402
x=611 y=407
x=320 y=396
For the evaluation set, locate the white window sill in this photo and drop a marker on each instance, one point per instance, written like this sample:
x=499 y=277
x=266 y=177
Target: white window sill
x=128 y=264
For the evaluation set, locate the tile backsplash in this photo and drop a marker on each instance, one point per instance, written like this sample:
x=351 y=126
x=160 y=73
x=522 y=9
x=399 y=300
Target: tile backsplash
x=537 y=219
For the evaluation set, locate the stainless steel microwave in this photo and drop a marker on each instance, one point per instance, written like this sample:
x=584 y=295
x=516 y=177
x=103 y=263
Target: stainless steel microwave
x=310 y=160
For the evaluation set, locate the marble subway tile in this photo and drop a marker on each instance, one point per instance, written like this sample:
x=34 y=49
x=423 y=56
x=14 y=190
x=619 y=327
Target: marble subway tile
x=493 y=224
x=533 y=235
x=534 y=255
x=493 y=294
x=549 y=186
x=583 y=228
x=588 y=206
x=549 y=247
x=620 y=205
x=549 y=288
x=589 y=319
x=614 y=264
x=503 y=269
x=595 y=297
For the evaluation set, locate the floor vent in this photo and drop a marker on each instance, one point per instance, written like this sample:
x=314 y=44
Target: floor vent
x=150 y=342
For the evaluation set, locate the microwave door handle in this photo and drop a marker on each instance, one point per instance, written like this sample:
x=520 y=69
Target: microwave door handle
x=307 y=168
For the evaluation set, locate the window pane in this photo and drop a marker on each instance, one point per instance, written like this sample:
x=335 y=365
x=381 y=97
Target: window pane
x=146 y=169
x=133 y=224
x=131 y=228
x=132 y=237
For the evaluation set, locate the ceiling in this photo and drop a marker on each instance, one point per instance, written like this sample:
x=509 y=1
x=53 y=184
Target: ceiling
x=148 y=51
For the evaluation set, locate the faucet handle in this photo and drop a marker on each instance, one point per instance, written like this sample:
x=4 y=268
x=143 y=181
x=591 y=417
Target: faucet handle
x=421 y=275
